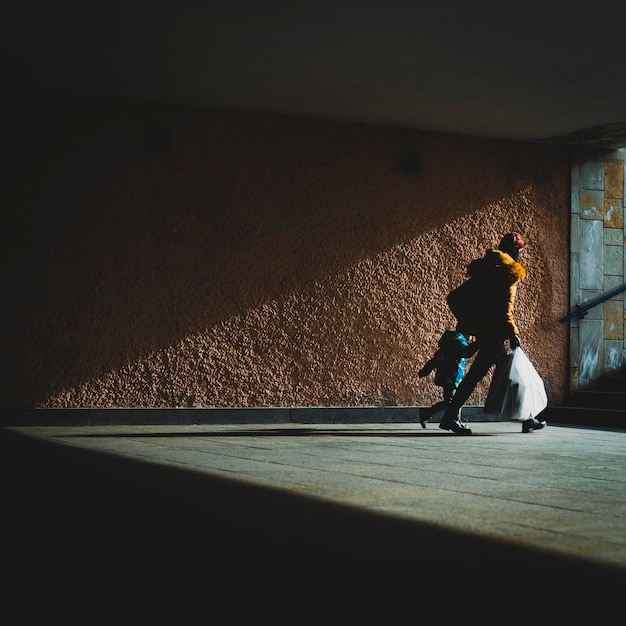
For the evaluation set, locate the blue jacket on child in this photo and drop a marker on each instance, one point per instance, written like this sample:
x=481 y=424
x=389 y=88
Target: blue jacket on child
x=449 y=361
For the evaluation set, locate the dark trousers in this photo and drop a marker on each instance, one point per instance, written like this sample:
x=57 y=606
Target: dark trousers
x=448 y=392
x=489 y=351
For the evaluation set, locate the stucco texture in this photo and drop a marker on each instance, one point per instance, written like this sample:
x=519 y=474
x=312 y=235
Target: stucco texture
x=252 y=260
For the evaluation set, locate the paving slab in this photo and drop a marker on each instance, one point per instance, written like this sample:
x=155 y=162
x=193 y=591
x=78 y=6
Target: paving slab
x=547 y=507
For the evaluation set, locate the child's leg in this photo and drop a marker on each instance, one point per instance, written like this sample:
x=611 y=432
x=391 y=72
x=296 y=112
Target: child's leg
x=448 y=392
x=426 y=414
x=440 y=406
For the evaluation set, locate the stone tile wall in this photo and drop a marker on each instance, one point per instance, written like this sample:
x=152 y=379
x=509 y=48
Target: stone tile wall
x=598 y=264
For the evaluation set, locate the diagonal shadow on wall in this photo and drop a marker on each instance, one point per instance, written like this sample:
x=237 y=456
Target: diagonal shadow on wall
x=130 y=226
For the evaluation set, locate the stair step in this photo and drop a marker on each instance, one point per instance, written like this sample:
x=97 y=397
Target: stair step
x=615 y=400
x=585 y=416
x=612 y=382
x=602 y=405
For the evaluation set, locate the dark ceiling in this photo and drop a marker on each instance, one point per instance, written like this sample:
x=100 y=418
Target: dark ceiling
x=516 y=70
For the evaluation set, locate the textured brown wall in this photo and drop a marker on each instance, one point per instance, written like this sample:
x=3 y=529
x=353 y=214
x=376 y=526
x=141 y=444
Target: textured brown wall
x=259 y=260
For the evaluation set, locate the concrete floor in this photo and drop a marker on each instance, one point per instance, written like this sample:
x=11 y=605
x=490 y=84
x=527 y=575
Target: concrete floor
x=362 y=516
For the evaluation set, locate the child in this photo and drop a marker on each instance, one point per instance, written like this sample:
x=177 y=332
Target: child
x=449 y=363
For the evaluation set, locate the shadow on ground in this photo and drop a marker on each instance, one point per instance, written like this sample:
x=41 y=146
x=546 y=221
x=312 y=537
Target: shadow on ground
x=433 y=431
x=89 y=532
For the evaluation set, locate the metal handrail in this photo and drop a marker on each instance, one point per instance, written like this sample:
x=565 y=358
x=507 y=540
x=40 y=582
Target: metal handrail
x=581 y=311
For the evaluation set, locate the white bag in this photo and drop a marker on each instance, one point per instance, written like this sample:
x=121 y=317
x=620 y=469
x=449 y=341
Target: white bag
x=525 y=394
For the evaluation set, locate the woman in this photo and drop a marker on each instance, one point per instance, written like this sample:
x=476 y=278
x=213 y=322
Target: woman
x=488 y=315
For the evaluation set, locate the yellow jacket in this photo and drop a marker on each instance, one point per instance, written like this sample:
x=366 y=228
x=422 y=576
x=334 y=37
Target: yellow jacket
x=496 y=276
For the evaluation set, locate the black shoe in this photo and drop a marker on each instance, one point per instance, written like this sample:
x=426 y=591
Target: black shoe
x=425 y=415
x=532 y=424
x=455 y=425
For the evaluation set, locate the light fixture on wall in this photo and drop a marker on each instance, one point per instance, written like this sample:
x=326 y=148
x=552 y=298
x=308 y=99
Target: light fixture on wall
x=410 y=161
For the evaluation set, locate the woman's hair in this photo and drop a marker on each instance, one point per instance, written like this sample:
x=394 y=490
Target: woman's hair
x=512 y=244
